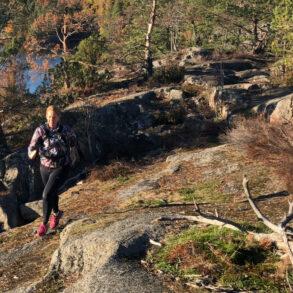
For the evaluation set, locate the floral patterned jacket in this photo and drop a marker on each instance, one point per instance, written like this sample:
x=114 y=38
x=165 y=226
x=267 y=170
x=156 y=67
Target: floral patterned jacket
x=53 y=145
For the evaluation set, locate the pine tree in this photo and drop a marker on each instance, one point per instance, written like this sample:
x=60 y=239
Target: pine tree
x=282 y=25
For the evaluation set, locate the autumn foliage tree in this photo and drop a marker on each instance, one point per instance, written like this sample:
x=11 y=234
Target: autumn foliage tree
x=59 y=28
x=13 y=95
x=12 y=87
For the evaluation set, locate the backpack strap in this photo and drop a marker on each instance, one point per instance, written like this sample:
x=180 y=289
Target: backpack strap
x=47 y=130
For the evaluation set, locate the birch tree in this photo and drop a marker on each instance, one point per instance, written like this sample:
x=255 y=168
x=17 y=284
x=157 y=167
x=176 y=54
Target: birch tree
x=148 y=53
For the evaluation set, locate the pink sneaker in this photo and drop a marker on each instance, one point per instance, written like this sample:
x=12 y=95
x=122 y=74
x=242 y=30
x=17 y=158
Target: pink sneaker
x=55 y=220
x=42 y=230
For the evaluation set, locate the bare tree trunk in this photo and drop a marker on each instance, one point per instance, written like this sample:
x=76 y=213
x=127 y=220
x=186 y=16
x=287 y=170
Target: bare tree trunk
x=175 y=34
x=171 y=41
x=148 y=57
x=255 y=31
x=63 y=40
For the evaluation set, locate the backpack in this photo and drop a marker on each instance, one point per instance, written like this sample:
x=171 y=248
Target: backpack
x=54 y=146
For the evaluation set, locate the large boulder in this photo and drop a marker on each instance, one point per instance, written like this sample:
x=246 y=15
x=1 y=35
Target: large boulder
x=283 y=111
x=9 y=212
x=104 y=257
x=31 y=210
x=21 y=183
x=228 y=99
x=116 y=128
x=195 y=55
x=202 y=81
x=277 y=109
x=17 y=175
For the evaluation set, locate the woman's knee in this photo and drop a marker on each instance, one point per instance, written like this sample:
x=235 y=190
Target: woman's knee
x=45 y=195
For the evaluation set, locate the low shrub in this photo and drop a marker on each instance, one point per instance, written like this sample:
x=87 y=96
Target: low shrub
x=205 y=110
x=269 y=143
x=170 y=74
x=279 y=76
x=192 y=89
x=173 y=116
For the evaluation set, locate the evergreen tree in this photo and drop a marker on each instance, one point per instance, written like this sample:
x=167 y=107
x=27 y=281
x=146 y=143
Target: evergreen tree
x=84 y=68
x=282 y=25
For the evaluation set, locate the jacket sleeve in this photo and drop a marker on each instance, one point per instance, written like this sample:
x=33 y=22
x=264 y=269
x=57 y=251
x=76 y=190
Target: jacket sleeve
x=36 y=141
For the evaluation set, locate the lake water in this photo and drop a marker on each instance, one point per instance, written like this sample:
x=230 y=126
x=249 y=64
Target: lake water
x=35 y=78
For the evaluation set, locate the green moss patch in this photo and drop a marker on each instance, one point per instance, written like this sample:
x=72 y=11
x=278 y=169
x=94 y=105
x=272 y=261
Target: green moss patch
x=222 y=256
x=203 y=192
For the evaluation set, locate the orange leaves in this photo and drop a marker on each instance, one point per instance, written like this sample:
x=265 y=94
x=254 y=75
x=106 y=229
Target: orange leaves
x=12 y=83
x=43 y=2
x=52 y=30
x=9 y=28
x=45 y=22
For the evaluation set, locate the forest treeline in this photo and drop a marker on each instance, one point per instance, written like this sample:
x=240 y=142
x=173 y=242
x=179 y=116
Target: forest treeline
x=91 y=37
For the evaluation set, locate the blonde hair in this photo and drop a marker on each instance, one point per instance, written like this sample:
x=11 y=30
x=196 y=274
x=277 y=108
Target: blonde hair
x=54 y=109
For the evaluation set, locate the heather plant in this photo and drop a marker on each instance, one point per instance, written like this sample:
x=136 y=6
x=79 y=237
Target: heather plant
x=169 y=74
x=271 y=143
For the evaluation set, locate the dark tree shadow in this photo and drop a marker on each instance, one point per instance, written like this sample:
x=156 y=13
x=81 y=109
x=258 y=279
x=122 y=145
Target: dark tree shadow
x=272 y=195
x=4 y=150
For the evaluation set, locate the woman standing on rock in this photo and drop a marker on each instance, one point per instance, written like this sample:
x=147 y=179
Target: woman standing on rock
x=55 y=144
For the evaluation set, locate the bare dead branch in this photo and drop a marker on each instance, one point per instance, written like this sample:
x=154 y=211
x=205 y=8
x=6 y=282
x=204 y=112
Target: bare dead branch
x=279 y=235
x=216 y=213
x=153 y=242
x=260 y=216
x=281 y=228
x=286 y=242
x=289 y=217
x=211 y=220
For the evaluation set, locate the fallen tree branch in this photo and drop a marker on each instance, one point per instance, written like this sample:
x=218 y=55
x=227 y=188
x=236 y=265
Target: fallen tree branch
x=205 y=219
x=260 y=216
x=281 y=228
x=279 y=235
x=153 y=242
x=288 y=217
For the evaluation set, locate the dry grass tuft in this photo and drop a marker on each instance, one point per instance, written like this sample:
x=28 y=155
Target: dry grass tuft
x=114 y=170
x=266 y=142
x=189 y=256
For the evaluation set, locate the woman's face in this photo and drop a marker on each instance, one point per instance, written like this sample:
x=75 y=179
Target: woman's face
x=52 y=119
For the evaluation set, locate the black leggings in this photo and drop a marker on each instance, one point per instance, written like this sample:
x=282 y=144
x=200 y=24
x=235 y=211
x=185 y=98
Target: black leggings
x=52 y=179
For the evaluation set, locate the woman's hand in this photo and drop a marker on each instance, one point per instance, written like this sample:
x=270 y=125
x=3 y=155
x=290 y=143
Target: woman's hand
x=33 y=154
